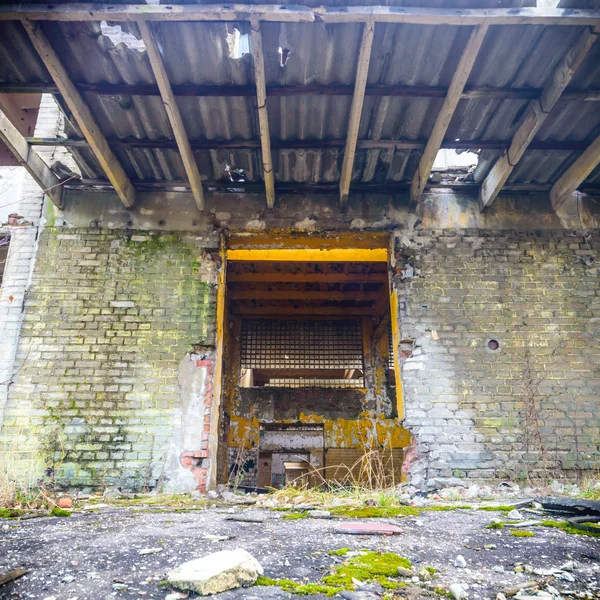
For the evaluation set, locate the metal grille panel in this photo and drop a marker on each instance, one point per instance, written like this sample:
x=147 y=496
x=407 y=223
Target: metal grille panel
x=275 y=344
x=317 y=383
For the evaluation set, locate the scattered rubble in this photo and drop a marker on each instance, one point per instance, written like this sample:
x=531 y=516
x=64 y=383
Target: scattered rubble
x=218 y=572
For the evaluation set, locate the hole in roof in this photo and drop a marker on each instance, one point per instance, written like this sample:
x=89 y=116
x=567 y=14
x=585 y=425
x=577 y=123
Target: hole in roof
x=453 y=165
x=284 y=55
x=236 y=175
x=238 y=43
x=117 y=36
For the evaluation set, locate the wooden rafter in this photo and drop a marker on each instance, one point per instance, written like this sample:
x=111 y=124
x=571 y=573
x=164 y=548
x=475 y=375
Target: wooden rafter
x=537 y=112
x=263 y=115
x=297 y=14
x=358 y=98
x=276 y=90
x=31 y=160
x=457 y=85
x=576 y=174
x=290 y=310
x=307 y=278
x=82 y=114
x=401 y=144
x=303 y=295
x=172 y=110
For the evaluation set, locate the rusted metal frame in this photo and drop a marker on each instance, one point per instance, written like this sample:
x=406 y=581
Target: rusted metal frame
x=537 y=112
x=457 y=84
x=570 y=146
x=358 y=98
x=189 y=90
x=298 y=14
x=82 y=114
x=576 y=174
x=31 y=160
x=258 y=59
x=173 y=113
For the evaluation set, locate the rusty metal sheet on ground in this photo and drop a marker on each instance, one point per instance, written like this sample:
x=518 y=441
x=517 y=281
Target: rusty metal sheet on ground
x=368 y=529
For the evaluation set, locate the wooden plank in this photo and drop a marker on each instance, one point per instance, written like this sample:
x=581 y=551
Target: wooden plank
x=296 y=14
x=575 y=175
x=401 y=144
x=172 y=110
x=358 y=98
x=304 y=295
x=276 y=90
x=534 y=117
x=457 y=85
x=31 y=160
x=311 y=309
x=12 y=575
x=263 y=115
x=307 y=278
x=82 y=114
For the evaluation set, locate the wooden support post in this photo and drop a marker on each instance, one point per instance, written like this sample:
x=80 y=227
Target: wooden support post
x=263 y=115
x=358 y=98
x=170 y=104
x=575 y=175
x=382 y=328
x=537 y=112
x=31 y=160
x=457 y=85
x=82 y=114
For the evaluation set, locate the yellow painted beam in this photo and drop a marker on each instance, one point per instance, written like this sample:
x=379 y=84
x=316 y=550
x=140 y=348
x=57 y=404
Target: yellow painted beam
x=310 y=254
x=396 y=344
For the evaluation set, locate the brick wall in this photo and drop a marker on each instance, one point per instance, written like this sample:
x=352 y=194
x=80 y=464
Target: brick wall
x=530 y=408
x=117 y=348
x=109 y=318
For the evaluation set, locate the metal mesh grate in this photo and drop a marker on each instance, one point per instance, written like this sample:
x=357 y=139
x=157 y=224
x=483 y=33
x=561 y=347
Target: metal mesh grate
x=390 y=349
x=274 y=344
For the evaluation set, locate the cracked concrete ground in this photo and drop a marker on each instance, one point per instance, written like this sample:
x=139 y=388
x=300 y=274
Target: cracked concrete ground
x=96 y=555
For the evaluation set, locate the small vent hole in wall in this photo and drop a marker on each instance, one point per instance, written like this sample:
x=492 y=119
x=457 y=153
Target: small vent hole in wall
x=493 y=345
x=284 y=55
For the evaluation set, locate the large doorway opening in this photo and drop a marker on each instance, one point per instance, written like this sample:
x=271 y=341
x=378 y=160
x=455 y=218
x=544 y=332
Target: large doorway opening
x=309 y=385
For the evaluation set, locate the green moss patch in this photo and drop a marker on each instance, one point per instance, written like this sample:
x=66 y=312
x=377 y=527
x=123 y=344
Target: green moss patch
x=59 y=512
x=295 y=516
x=497 y=508
x=11 y=513
x=521 y=533
x=300 y=589
x=367 y=566
x=564 y=526
x=340 y=552
x=375 y=512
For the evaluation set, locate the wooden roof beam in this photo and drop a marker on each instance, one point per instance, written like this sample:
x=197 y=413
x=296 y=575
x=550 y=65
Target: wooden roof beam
x=170 y=104
x=534 y=117
x=31 y=160
x=263 y=115
x=455 y=90
x=298 y=14
x=302 y=295
x=358 y=98
x=276 y=90
x=273 y=277
x=575 y=175
x=82 y=114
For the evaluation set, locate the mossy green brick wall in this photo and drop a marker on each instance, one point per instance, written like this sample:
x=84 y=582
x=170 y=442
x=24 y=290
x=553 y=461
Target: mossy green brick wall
x=531 y=408
x=109 y=317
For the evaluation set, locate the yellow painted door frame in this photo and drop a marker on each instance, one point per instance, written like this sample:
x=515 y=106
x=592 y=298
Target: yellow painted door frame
x=344 y=247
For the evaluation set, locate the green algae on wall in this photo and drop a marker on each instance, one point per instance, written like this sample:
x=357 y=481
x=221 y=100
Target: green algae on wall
x=108 y=319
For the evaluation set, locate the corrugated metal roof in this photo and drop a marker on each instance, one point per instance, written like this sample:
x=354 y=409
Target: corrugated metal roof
x=403 y=54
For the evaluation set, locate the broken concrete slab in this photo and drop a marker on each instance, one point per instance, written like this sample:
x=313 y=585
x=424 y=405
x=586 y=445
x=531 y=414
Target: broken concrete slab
x=368 y=529
x=217 y=572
